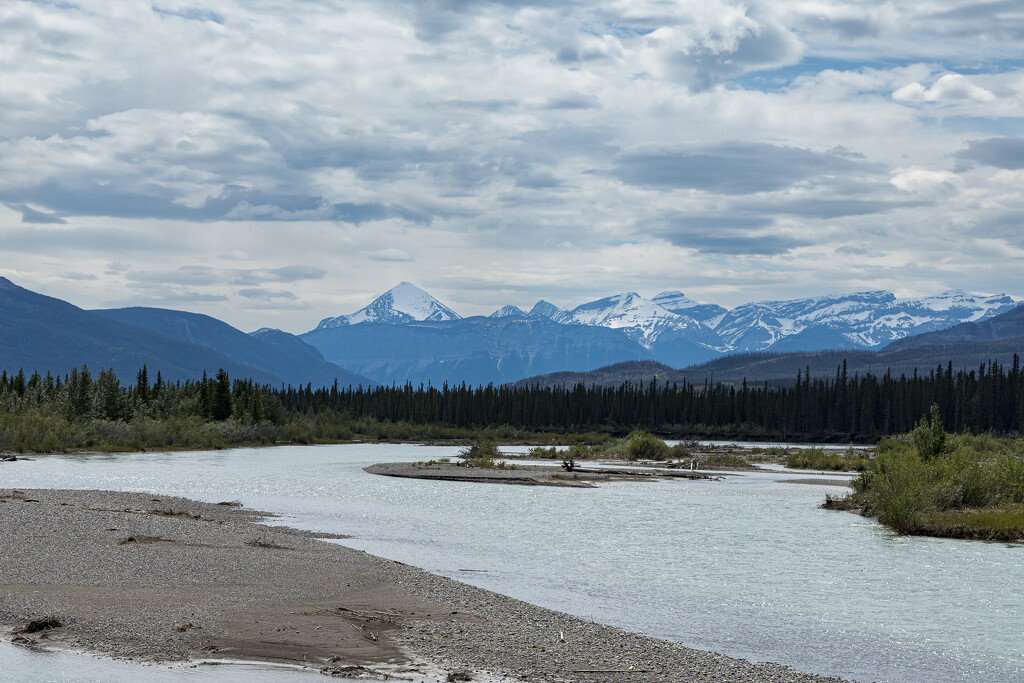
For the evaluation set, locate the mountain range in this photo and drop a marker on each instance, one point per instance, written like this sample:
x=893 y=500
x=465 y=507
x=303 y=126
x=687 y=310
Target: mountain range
x=967 y=346
x=44 y=334
x=406 y=335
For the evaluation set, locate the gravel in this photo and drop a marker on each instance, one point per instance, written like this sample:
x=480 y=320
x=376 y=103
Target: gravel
x=160 y=579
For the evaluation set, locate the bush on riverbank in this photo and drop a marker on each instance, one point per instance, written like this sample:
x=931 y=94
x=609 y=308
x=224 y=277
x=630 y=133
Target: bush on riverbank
x=819 y=459
x=928 y=482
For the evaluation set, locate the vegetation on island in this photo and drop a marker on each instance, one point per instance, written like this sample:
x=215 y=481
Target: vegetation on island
x=484 y=454
x=930 y=482
x=637 y=445
x=850 y=460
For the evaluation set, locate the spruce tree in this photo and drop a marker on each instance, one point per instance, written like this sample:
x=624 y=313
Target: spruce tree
x=220 y=408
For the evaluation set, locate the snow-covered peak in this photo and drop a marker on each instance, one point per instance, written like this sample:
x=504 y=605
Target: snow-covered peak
x=674 y=300
x=509 y=312
x=642 y=318
x=622 y=310
x=677 y=302
x=979 y=305
x=864 y=319
x=403 y=303
x=546 y=309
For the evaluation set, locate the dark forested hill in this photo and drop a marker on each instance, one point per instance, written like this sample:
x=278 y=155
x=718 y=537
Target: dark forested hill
x=783 y=367
x=41 y=333
x=277 y=353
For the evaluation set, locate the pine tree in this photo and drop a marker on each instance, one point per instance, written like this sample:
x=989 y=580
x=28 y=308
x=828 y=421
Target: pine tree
x=220 y=407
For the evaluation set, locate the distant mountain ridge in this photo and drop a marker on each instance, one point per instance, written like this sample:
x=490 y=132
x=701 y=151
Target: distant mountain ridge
x=964 y=347
x=406 y=335
x=669 y=328
x=479 y=350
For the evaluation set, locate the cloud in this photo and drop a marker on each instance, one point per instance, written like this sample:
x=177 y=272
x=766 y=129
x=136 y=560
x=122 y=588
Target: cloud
x=739 y=244
x=1007 y=153
x=30 y=215
x=949 y=88
x=391 y=256
x=205 y=275
x=726 y=234
x=62 y=239
x=728 y=168
x=573 y=101
x=725 y=41
x=266 y=294
x=584 y=146
x=288 y=273
x=165 y=297
x=191 y=13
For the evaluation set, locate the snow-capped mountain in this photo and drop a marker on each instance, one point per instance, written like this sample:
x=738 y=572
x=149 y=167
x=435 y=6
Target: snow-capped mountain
x=403 y=303
x=677 y=302
x=509 y=312
x=545 y=309
x=644 y=319
x=859 y=320
x=670 y=328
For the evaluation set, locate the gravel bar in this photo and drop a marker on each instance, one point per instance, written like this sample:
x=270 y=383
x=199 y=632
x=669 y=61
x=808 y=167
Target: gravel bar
x=155 y=578
x=525 y=475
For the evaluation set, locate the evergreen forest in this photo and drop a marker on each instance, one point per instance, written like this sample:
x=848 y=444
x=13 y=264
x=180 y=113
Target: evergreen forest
x=78 y=410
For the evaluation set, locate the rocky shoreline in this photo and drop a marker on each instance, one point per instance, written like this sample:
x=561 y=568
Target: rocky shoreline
x=153 y=578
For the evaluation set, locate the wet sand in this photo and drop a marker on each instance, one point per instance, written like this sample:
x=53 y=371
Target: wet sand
x=160 y=579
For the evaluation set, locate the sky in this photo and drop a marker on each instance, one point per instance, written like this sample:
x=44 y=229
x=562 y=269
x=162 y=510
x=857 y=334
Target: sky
x=275 y=162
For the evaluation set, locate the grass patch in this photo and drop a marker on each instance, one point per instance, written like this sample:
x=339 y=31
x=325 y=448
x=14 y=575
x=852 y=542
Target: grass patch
x=999 y=523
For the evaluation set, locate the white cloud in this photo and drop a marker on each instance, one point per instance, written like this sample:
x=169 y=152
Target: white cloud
x=949 y=88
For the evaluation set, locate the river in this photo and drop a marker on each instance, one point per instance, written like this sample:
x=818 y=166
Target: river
x=749 y=565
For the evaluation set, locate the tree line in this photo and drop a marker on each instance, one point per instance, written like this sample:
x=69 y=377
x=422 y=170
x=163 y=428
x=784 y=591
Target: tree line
x=989 y=399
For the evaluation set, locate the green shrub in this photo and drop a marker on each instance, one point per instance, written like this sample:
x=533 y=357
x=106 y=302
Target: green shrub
x=818 y=459
x=928 y=437
x=911 y=484
x=644 y=446
x=483 y=454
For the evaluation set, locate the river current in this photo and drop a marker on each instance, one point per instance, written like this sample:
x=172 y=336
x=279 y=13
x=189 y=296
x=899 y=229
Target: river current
x=749 y=565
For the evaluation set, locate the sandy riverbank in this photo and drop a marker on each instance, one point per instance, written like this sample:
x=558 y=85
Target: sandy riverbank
x=160 y=579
